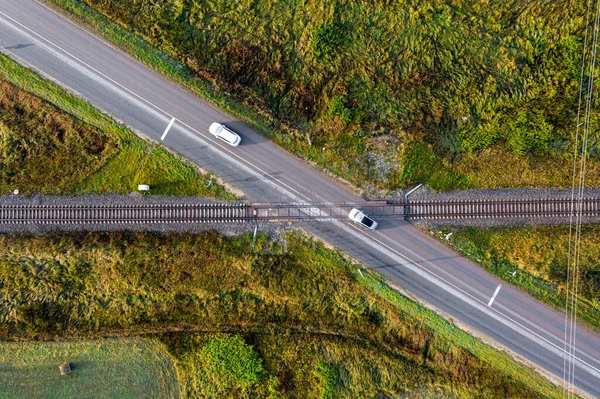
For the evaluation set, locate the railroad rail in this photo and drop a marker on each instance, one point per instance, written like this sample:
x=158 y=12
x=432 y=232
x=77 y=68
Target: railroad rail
x=142 y=212
x=124 y=214
x=502 y=208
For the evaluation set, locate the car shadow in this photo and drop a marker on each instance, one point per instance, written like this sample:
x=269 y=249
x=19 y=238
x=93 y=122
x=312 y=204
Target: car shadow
x=249 y=136
x=19 y=46
x=386 y=224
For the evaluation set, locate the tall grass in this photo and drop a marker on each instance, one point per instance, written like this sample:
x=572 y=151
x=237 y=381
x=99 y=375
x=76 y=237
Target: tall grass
x=90 y=284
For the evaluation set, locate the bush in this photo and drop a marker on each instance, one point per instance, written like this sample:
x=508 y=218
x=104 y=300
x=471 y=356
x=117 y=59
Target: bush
x=328 y=375
x=528 y=132
x=233 y=362
x=327 y=39
x=337 y=107
x=421 y=165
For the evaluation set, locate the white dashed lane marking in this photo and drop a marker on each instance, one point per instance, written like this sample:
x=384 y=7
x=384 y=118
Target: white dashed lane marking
x=494 y=296
x=167 y=129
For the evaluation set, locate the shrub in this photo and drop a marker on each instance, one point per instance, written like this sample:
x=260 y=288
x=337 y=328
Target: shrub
x=528 y=132
x=328 y=375
x=337 y=107
x=421 y=165
x=233 y=362
x=327 y=39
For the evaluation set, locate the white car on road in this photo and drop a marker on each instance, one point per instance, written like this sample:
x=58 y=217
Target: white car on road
x=224 y=133
x=357 y=216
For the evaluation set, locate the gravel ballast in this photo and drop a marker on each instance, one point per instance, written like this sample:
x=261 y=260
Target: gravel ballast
x=229 y=228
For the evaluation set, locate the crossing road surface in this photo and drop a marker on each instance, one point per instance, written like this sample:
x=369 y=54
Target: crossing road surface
x=147 y=102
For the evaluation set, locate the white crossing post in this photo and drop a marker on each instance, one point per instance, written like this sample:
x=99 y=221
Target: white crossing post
x=254 y=236
x=406 y=199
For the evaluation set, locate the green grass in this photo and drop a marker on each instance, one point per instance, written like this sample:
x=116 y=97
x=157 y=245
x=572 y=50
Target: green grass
x=538 y=255
x=451 y=88
x=54 y=143
x=111 y=368
x=303 y=295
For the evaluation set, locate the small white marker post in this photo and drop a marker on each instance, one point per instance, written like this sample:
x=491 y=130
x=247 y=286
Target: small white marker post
x=406 y=199
x=494 y=296
x=254 y=235
x=167 y=129
x=362 y=275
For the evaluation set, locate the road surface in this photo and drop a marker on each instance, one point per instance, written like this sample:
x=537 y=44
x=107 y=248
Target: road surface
x=39 y=38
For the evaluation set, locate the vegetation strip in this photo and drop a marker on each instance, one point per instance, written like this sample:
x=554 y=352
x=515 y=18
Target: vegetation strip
x=531 y=266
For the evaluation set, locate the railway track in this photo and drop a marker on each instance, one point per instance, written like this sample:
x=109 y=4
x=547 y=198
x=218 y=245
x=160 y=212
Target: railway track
x=237 y=212
x=530 y=208
x=140 y=213
x=123 y=214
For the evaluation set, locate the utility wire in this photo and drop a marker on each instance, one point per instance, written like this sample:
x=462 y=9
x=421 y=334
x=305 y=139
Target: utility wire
x=583 y=161
x=577 y=209
x=566 y=358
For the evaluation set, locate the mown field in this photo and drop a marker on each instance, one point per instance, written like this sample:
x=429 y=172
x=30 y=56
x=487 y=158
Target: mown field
x=539 y=256
x=111 y=368
x=52 y=142
x=293 y=321
x=455 y=94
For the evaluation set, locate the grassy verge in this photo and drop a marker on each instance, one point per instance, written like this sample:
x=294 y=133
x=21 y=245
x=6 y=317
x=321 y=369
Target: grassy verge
x=112 y=368
x=53 y=142
x=534 y=259
x=314 y=71
x=315 y=323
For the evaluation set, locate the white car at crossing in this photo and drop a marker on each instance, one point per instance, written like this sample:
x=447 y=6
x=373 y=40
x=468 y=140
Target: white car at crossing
x=358 y=216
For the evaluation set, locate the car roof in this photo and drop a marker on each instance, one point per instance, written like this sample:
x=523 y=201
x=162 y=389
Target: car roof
x=228 y=135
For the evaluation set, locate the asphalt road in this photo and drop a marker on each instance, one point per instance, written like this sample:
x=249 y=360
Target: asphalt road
x=145 y=101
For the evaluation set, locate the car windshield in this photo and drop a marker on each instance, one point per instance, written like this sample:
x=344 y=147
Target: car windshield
x=367 y=221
